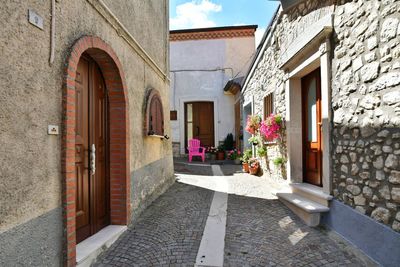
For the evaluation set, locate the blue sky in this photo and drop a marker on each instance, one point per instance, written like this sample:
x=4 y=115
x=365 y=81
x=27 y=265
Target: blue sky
x=186 y=14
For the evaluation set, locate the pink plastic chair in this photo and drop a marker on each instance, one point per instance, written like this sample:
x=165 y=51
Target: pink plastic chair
x=194 y=149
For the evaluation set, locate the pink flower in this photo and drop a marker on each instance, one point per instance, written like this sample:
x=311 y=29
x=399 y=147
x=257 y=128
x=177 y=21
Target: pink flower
x=270 y=127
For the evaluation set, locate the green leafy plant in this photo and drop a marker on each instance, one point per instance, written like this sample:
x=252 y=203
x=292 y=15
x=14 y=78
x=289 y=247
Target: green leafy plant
x=228 y=142
x=261 y=151
x=246 y=155
x=234 y=154
x=278 y=161
x=220 y=148
x=254 y=140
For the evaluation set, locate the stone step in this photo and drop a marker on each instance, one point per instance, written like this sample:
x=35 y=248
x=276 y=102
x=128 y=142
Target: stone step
x=311 y=192
x=88 y=250
x=309 y=211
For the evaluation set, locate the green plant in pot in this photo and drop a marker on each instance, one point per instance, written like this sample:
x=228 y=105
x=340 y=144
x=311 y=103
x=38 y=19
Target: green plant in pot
x=229 y=142
x=245 y=159
x=254 y=140
x=220 y=152
x=254 y=166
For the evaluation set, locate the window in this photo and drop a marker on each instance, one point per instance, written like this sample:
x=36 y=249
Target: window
x=154 y=124
x=173 y=115
x=268 y=105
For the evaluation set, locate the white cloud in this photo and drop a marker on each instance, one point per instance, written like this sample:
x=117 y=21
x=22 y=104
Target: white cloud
x=194 y=14
x=259 y=35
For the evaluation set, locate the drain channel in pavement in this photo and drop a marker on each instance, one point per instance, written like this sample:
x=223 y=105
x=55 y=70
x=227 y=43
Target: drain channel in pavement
x=212 y=245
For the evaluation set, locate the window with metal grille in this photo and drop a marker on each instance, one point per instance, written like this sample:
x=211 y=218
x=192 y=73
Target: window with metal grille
x=268 y=105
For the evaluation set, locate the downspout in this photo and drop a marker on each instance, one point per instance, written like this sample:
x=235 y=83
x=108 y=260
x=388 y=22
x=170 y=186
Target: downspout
x=53 y=29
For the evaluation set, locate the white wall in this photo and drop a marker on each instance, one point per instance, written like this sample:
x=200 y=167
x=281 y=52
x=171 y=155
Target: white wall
x=199 y=71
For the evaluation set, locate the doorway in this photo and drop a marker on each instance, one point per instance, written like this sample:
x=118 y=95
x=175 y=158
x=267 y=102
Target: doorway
x=91 y=149
x=199 y=123
x=312 y=137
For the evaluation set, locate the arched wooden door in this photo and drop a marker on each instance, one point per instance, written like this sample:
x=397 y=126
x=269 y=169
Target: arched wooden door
x=91 y=145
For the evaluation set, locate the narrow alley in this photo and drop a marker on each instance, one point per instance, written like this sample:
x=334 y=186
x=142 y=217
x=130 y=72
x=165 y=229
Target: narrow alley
x=258 y=231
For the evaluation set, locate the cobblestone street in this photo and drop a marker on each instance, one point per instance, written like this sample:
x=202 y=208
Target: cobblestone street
x=259 y=232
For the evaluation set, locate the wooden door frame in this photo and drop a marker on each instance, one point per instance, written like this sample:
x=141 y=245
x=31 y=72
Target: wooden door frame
x=185 y=120
x=114 y=79
x=317 y=74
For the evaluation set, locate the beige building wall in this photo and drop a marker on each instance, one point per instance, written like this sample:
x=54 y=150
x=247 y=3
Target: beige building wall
x=31 y=99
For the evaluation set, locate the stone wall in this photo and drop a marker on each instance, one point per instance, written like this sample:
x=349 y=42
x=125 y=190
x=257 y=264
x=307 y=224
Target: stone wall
x=365 y=91
x=366 y=105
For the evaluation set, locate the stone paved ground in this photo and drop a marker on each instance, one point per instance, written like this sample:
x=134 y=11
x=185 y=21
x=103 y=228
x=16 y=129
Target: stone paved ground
x=260 y=232
x=263 y=232
x=168 y=233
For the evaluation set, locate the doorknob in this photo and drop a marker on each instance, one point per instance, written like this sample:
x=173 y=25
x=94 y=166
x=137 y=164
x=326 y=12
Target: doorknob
x=93 y=159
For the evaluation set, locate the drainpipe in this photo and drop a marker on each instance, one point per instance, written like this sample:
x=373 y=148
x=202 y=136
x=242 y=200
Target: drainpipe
x=53 y=29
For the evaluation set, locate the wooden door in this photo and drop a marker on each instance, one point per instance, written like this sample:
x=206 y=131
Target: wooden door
x=312 y=138
x=200 y=122
x=92 y=197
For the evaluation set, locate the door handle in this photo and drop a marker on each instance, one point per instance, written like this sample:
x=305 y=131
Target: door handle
x=93 y=159
x=198 y=130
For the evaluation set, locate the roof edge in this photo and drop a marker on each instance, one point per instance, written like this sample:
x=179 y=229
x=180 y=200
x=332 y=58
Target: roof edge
x=212 y=29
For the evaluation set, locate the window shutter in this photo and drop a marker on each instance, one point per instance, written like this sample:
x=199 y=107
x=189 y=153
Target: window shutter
x=268 y=105
x=156 y=118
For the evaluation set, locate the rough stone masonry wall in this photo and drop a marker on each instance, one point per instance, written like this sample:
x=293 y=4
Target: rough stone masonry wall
x=366 y=106
x=365 y=100
x=268 y=77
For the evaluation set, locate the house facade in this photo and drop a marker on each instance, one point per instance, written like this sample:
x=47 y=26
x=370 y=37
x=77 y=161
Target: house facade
x=202 y=62
x=85 y=94
x=332 y=70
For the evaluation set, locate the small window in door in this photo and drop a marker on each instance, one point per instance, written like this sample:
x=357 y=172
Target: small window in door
x=268 y=105
x=154 y=124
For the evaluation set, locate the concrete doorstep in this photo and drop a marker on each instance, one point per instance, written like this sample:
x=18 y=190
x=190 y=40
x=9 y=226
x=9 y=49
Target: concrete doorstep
x=88 y=250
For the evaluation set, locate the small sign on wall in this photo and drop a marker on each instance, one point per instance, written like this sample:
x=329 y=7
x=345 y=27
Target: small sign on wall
x=35 y=19
x=52 y=130
x=173 y=115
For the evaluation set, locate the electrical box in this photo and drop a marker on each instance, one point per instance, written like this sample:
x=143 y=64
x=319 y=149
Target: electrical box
x=52 y=130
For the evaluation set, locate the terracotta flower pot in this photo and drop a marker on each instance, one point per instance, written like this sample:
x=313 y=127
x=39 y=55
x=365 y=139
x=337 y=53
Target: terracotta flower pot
x=253 y=170
x=245 y=167
x=220 y=155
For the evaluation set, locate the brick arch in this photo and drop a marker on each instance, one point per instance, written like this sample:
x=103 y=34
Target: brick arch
x=114 y=79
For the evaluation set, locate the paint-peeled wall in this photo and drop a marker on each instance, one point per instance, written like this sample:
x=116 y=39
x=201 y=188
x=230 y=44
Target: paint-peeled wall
x=199 y=70
x=31 y=99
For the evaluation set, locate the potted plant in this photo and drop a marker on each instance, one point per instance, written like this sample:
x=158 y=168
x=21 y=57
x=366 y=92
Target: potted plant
x=271 y=126
x=253 y=123
x=229 y=142
x=220 y=152
x=234 y=155
x=254 y=166
x=245 y=159
x=212 y=151
x=254 y=140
